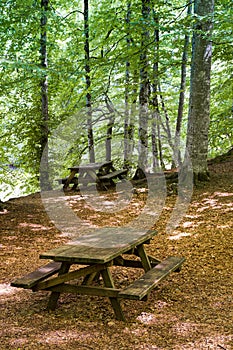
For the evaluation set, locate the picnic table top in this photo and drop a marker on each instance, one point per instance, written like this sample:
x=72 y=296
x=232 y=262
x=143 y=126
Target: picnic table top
x=99 y=246
x=91 y=166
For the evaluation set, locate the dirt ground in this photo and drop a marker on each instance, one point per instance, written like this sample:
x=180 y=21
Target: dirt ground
x=189 y=310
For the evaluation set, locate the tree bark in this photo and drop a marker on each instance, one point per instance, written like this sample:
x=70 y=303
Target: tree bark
x=155 y=102
x=108 y=143
x=144 y=89
x=127 y=81
x=90 y=135
x=199 y=102
x=44 y=173
x=177 y=154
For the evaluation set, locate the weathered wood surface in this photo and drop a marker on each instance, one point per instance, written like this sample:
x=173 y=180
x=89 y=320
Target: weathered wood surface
x=100 y=245
x=86 y=290
x=113 y=174
x=36 y=276
x=109 y=283
x=88 y=173
x=91 y=166
x=141 y=287
x=69 y=276
x=64 y=180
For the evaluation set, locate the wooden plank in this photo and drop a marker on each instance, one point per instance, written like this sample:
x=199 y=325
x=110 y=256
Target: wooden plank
x=108 y=281
x=120 y=261
x=144 y=258
x=113 y=174
x=64 y=180
x=91 y=166
x=86 y=290
x=34 y=277
x=70 y=276
x=54 y=296
x=99 y=245
x=141 y=287
x=69 y=179
x=153 y=260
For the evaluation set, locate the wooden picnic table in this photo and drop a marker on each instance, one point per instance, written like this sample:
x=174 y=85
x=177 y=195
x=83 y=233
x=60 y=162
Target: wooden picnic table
x=93 y=256
x=101 y=174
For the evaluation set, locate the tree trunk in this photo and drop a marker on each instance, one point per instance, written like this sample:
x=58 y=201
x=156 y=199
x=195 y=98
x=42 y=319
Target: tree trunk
x=127 y=81
x=88 y=84
x=154 y=102
x=108 y=143
x=44 y=173
x=144 y=89
x=199 y=102
x=177 y=155
x=165 y=127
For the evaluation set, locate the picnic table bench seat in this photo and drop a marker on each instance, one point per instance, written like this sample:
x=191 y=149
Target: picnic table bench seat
x=142 y=286
x=30 y=280
x=63 y=180
x=76 y=181
x=113 y=174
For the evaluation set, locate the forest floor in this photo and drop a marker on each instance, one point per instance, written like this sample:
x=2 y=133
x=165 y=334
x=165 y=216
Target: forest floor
x=189 y=310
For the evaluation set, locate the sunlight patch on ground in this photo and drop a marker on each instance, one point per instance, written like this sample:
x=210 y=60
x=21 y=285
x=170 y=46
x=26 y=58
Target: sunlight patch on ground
x=189 y=216
x=213 y=203
x=6 y=289
x=215 y=342
x=185 y=328
x=149 y=347
x=222 y=227
x=178 y=235
x=53 y=338
x=4 y=211
x=223 y=194
x=192 y=224
x=35 y=227
x=147 y=318
x=60 y=336
x=188 y=224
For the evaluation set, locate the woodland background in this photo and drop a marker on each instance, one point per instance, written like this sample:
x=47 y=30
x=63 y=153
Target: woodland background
x=81 y=74
x=102 y=63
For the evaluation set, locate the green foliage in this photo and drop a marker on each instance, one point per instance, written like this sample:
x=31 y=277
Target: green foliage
x=21 y=73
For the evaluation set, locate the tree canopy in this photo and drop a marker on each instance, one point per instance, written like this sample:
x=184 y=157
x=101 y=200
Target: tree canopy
x=120 y=68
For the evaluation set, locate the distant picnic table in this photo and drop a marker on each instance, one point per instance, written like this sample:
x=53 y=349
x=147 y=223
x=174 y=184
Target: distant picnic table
x=101 y=174
x=98 y=251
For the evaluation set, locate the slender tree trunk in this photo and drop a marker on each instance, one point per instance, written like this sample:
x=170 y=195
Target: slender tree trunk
x=127 y=82
x=155 y=103
x=109 y=139
x=166 y=127
x=88 y=83
x=144 y=91
x=199 y=102
x=108 y=143
x=177 y=155
x=133 y=112
x=44 y=176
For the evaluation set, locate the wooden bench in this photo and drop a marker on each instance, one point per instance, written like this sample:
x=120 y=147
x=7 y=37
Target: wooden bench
x=141 y=287
x=31 y=279
x=113 y=174
x=75 y=181
x=63 y=181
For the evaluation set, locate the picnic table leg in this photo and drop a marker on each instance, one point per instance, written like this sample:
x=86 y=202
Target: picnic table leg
x=88 y=279
x=144 y=258
x=68 y=181
x=108 y=281
x=145 y=262
x=55 y=295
